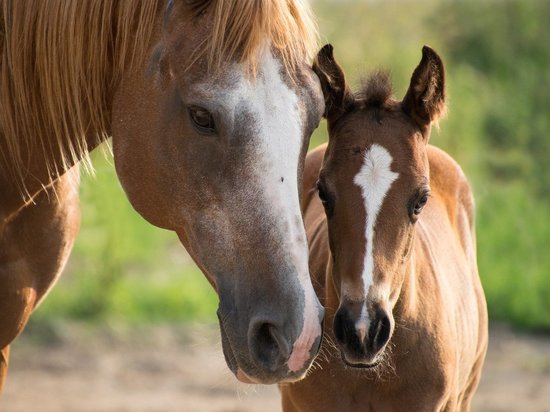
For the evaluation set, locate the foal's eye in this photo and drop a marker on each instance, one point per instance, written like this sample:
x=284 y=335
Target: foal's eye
x=418 y=204
x=325 y=197
x=202 y=120
x=322 y=193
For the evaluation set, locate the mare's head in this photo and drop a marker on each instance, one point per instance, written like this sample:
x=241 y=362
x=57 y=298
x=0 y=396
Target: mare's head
x=210 y=143
x=374 y=184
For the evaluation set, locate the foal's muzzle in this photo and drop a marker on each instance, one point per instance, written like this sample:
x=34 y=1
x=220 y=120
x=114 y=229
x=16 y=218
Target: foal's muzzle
x=362 y=341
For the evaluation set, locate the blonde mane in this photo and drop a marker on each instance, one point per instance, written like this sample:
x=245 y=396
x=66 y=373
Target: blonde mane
x=60 y=61
x=241 y=28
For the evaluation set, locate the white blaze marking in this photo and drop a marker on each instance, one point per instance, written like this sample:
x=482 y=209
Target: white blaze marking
x=362 y=324
x=278 y=126
x=375 y=179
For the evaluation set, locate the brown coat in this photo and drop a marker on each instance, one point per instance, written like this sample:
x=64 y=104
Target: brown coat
x=420 y=295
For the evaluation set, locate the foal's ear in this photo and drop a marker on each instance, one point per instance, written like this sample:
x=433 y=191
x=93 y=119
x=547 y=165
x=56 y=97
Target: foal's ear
x=338 y=97
x=425 y=99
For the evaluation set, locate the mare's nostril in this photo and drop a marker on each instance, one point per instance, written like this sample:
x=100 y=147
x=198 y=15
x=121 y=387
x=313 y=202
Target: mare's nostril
x=269 y=347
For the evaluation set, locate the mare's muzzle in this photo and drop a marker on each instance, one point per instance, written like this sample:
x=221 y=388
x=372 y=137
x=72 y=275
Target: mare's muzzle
x=261 y=336
x=269 y=347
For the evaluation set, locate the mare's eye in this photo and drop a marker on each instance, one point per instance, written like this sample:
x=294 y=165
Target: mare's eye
x=202 y=120
x=418 y=204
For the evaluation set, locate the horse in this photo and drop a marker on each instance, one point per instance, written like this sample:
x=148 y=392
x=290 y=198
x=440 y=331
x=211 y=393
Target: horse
x=390 y=223
x=210 y=105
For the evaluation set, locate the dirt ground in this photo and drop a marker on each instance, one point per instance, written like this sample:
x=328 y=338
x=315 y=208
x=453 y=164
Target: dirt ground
x=168 y=369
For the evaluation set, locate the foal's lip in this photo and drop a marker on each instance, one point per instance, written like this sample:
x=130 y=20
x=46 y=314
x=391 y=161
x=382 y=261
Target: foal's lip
x=360 y=365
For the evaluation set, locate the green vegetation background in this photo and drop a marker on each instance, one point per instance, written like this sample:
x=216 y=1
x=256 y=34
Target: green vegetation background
x=497 y=55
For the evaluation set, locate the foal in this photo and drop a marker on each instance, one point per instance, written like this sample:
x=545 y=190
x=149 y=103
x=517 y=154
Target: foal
x=395 y=258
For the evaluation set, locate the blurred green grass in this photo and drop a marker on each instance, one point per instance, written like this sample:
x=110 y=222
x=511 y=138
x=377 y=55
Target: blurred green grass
x=497 y=58
x=122 y=268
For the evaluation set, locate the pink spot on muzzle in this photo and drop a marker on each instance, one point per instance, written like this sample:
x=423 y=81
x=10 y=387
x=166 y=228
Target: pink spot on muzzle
x=301 y=353
x=302 y=349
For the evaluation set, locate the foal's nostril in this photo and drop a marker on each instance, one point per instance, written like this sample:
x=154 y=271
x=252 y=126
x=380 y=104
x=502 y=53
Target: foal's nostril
x=380 y=330
x=359 y=344
x=269 y=348
x=344 y=330
x=341 y=325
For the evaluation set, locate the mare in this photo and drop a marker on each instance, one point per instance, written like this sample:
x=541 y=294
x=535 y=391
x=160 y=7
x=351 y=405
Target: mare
x=390 y=221
x=210 y=105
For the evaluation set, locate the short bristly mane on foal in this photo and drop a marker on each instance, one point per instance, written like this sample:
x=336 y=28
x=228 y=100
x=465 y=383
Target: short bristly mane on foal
x=62 y=60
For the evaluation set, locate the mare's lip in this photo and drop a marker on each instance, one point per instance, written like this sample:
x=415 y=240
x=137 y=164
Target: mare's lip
x=228 y=354
x=233 y=364
x=243 y=377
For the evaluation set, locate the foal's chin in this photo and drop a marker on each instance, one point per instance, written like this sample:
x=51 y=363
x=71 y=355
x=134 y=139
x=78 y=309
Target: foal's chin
x=366 y=356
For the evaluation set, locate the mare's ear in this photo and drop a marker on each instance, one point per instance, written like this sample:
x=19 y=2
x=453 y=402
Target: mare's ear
x=425 y=99
x=159 y=67
x=338 y=97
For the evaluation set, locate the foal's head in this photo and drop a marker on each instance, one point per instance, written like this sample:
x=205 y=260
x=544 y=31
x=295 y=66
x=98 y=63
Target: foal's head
x=374 y=184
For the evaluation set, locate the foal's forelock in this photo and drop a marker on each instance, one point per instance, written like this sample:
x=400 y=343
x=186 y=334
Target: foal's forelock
x=375 y=179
